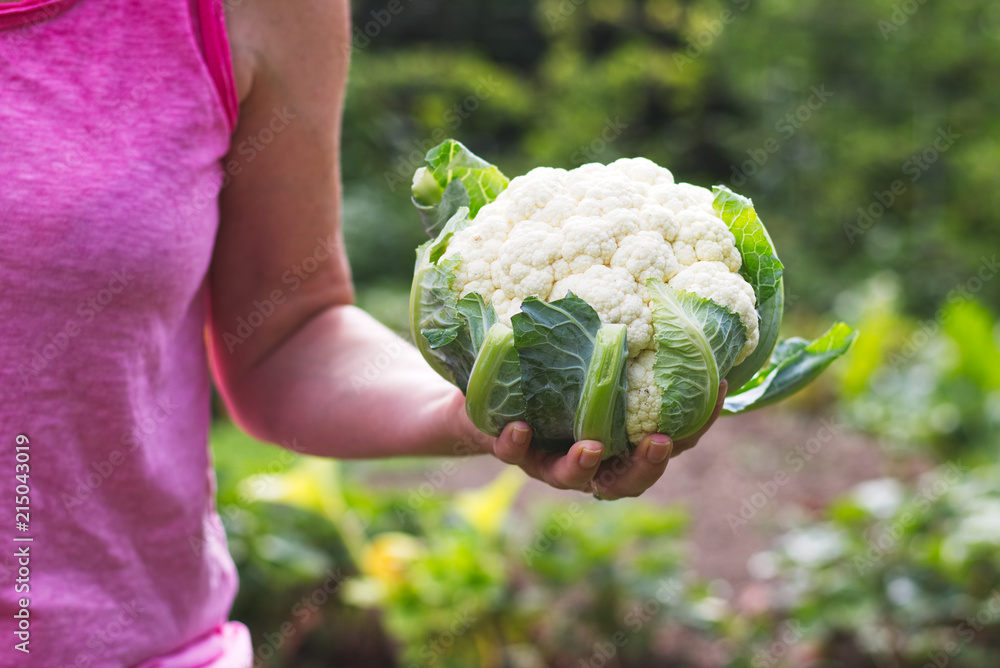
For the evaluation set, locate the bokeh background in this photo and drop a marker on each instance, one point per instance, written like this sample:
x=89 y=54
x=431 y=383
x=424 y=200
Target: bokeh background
x=856 y=525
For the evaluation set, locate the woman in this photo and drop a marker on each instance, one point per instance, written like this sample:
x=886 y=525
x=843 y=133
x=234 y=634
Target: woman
x=122 y=122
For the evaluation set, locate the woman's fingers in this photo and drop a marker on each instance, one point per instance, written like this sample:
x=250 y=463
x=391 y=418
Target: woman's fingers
x=513 y=444
x=624 y=475
x=631 y=474
x=572 y=470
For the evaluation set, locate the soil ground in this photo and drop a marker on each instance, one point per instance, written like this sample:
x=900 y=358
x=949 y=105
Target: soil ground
x=746 y=478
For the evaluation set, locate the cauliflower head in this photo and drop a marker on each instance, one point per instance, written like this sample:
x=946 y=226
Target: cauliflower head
x=601 y=232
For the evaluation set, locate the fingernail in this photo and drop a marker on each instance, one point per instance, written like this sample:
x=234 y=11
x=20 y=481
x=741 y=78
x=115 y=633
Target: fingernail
x=520 y=436
x=658 y=450
x=589 y=458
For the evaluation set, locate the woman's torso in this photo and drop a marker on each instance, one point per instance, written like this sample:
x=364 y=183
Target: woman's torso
x=113 y=125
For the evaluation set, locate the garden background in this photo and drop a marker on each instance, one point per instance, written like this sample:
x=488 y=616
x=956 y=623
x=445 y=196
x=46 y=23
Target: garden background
x=856 y=525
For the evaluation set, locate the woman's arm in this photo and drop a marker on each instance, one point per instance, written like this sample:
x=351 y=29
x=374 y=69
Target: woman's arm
x=294 y=360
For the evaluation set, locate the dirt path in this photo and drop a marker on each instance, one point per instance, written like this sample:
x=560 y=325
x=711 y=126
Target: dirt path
x=747 y=476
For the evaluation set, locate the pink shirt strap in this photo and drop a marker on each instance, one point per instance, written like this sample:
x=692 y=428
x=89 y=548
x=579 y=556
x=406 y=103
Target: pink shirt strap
x=215 y=41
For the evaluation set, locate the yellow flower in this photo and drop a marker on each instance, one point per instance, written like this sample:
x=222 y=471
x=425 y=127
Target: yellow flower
x=486 y=508
x=388 y=556
x=311 y=484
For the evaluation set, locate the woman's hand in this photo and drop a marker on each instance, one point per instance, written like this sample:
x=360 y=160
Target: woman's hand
x=625 y=475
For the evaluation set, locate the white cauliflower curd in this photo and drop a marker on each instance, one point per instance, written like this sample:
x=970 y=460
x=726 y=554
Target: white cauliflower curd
x=601 y=232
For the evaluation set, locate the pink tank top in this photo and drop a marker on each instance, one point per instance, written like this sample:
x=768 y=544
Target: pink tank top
x=114 y=115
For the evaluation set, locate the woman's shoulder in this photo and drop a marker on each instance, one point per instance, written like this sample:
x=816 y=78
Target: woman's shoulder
x=291 y=41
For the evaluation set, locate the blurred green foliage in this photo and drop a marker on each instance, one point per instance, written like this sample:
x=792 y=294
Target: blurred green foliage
x=335 y=572
x=813 y=109
x=891 y=576
x=923 y=385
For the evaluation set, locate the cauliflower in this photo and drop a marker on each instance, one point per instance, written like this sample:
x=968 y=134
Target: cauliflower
x=605 y=302
x=601 y=232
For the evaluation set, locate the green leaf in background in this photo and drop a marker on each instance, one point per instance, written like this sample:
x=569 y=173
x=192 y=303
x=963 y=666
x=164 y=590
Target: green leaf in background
x=697 y=341
x=601 y=413
x=971 y=326
x=794 y=364
x=761 y=267
x=494 y=396
x=555 y=342
x=454 y=177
